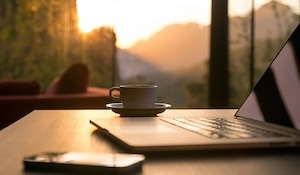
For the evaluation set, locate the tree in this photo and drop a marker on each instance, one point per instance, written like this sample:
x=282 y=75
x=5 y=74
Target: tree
x=40 y=38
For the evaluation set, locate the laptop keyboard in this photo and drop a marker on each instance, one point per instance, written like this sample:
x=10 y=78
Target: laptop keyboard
x=219 y=128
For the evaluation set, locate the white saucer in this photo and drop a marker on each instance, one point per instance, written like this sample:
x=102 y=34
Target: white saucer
x=148 y=112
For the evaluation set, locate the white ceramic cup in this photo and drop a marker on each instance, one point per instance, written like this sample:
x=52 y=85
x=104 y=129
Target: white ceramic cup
x=135 y=96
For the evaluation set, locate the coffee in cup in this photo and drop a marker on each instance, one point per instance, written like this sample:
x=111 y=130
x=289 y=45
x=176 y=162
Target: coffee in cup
x=135 y=96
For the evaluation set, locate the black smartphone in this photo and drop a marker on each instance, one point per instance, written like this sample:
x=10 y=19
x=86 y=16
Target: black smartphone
x=84 y=163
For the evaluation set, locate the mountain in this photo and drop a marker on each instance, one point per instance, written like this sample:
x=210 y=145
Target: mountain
x=180 y=46
x=176 y=57
x=174 y=47
x=272 y=20
x=130 y=66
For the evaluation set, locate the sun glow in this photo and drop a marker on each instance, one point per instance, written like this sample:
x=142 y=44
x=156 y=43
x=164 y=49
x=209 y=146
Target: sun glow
x=135 y=20
x=94 y=14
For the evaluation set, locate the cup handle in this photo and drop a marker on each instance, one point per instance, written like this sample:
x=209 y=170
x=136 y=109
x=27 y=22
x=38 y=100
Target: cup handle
x=115 y=88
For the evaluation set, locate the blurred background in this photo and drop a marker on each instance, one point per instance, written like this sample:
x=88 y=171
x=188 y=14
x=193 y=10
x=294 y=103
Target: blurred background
x=142 y=42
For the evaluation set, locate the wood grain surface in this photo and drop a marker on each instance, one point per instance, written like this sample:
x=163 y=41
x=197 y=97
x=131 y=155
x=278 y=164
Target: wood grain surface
x=70 y=130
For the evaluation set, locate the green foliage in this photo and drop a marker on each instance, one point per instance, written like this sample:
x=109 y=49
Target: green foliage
x=39 y=39
x=99 y=50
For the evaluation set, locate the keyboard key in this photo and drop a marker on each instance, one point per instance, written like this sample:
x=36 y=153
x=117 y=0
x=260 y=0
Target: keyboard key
x=220 y=128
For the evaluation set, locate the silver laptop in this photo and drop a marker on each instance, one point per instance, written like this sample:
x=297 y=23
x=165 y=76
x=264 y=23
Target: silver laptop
x=269 y=117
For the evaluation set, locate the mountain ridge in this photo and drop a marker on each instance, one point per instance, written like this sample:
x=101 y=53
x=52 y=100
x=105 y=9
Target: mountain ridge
x=168 y=51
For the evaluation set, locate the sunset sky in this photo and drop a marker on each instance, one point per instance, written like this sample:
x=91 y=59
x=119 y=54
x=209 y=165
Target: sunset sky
x=135 y=20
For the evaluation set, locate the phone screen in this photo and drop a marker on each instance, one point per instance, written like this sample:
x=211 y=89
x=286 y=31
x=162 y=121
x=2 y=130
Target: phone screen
x=85 y=162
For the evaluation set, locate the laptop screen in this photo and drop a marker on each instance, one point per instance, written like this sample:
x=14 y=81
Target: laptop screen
x=276 y=96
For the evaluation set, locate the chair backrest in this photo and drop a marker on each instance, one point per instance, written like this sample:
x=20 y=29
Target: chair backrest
x=73 y=80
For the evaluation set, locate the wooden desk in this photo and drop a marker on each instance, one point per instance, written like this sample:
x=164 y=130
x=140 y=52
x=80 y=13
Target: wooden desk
x=70 y=130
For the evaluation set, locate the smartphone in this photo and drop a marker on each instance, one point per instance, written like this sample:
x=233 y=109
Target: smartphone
x=84 y=163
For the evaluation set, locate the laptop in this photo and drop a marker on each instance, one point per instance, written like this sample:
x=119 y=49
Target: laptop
x=269 y=116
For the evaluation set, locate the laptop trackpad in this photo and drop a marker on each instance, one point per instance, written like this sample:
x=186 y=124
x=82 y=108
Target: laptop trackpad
x=131 y=129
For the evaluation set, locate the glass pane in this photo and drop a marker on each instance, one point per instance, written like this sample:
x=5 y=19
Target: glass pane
x=164 y=43
x=159 y=42
x=274 y=22
x=38 y=39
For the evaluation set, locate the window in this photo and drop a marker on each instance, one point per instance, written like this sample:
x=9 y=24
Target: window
x=158 y=42
x=273 y=23
x=161 y=42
